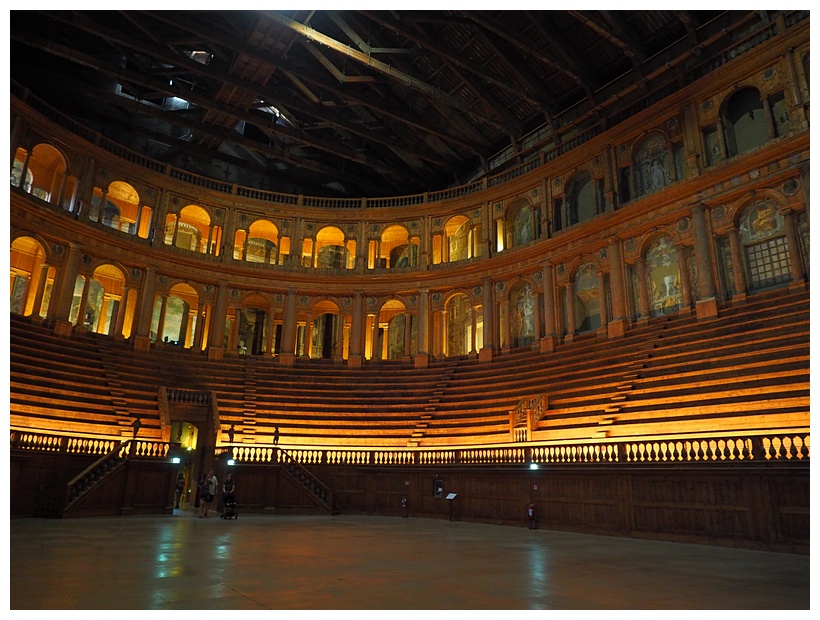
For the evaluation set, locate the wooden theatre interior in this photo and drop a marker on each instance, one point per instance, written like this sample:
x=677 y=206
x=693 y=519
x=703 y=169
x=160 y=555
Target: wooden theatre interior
x=611 y=325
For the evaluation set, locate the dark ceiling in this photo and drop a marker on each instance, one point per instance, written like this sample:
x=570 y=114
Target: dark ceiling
x=354 y=103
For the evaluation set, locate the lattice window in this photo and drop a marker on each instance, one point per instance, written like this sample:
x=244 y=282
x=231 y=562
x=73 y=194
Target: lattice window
x=768 y=262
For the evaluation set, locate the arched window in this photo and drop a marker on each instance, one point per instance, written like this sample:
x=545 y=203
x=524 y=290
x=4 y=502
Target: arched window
x=106 y=299
x=330 y=249
x=398 y=248
x=259 y=244
x=744 y=123
x=458 y=239
x=328 y=331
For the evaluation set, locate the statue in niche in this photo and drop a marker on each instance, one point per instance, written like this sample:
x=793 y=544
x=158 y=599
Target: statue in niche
x=664 y=276
x=524 y=315
x=651 y=161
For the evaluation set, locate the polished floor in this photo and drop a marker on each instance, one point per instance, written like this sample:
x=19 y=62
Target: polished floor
x=345 y=562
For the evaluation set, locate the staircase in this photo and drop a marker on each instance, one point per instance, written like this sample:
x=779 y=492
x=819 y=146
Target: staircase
x=318 y=490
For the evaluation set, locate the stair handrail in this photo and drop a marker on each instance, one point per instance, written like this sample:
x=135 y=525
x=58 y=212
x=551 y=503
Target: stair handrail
x=74 y=489
x=326 y=494
x=527 y=413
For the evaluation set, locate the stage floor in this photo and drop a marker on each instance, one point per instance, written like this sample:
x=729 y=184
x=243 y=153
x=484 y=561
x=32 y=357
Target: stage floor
x=373 y=563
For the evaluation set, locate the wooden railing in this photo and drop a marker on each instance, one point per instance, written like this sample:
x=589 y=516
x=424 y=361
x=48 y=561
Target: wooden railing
x=524 y=417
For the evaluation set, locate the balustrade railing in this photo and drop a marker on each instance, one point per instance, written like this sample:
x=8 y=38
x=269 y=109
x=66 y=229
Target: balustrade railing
x=777 y=447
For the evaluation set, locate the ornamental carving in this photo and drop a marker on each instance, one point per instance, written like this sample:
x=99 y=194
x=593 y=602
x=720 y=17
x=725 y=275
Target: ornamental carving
x=685 y=224
x=561 y=269
x=718 y=213
x=769 y=73
x=602 y=254
x=209 y=288
x=707 y=105
x=499 y=286
x=304 y=300
x=630 y=244
x=235 y=293
x=477 y=291
x=57 y=249
x=413 y=300
x=279 y=298
x=136 y=274
x=538 y=276
x=87 y=259
x=346 y=302
x=436 y=297
x=371 y=301
x=672 y=122
x=791 y=187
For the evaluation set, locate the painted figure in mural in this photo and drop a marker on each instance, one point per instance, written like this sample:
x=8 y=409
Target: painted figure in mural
x=657 y=175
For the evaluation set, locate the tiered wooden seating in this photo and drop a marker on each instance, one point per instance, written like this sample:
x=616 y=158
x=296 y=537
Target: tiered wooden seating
x=747 y=370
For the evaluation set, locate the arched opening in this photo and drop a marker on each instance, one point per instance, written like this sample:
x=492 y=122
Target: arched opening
x=326 y=331
x=45 y=175
x=581 y=198
x=765 y=247
x=31 y=278
x=259 y=244
x=106 y=300
x=744 y=122
x=587 y=299
x=192 y=230
x=458 y=239
x=330 y=249
x=122 y=210
x=459 y=325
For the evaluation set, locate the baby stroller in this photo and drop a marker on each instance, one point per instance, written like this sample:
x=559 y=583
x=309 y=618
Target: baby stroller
x=229 y=507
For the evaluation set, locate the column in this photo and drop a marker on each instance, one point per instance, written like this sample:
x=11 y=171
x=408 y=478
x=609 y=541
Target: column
x=63 y=293
x=472 y=330
x=486 y=352
x=121 y=310
x=536 y=319
x=569 y=292
x=199 y=325
x=408 y=332
x=643 y=292
x=355 y=357
x=795 y=256
x=738 y=273
x=375 y=349
x=83 y=304
x=602 y=303
x=505 y=323
x=706 y=305
x=40 y=291
x=216 y=331
x=617 y=325
x=685 y=283
x=145 y=309
x=288 y=348
x=163 y=310
x=423 y=333
x=549 y=339
x=308 y=351
x=270 y=332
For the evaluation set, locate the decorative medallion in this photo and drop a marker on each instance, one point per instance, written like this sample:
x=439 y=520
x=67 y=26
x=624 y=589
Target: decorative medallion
x=150 y=193
x=346 y=301
x=218 y=213
x=87 y=259
x=630 y=244
x=538 y=276
x=351 y=228
x=534 y=193
x=309 y=227
x=437 y=222
x=561 y=269
x=499 y=207
x=477 y=291
x=175 y=200
x=769 y=73
x=596 y=161
x=602 y=254
x=413 y=300
x=136 y=274
x=279 y=298
x=235 y=293
x=162 y=279
x=718 y=213
x=672 y=122
x=791 y=187
x=556 y=183
x=209 y=288
x=436 y=297
x=243 y=220
x=623 y=148
x=371 y=301
x=414 y=225
x=707 y=105
x=476 y=213
x=499 y=286
x=685 y=224
x=304 y=300
x=374 y=229
x=57 y=249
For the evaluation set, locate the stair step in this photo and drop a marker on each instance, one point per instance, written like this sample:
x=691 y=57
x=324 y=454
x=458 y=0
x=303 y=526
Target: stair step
x=618 y=397
x=627 y=386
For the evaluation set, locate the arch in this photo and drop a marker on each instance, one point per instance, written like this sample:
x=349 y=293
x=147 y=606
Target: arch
x=190 y=230
x=398 y=248
x=46 y=174
x=330 y=249
x=744 y=123
x=327 y=328
x=20 y=157
x=458 y=238
x=106 y=295
x=587 y=302
x=31 y=277
x=522 y=223
x=581 y=198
